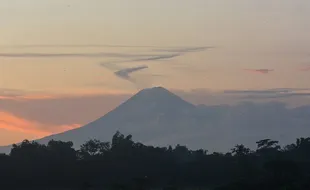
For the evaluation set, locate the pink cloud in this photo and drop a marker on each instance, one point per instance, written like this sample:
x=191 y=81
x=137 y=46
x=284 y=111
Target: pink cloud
x=14 y=123
x=305 y=69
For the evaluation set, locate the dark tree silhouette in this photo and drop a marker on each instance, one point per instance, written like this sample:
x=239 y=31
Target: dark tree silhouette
x=94 y=148
x=125 y=164
x=240 y=150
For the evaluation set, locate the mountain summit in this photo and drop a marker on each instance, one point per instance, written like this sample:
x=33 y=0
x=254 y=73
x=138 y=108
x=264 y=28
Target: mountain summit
x=160 y=96
x=157 y=100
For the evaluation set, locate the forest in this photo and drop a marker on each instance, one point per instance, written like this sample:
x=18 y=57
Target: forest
x=126 y=164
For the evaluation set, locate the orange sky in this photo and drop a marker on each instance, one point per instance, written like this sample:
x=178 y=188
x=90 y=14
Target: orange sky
x=247 y=35
x=30 y=129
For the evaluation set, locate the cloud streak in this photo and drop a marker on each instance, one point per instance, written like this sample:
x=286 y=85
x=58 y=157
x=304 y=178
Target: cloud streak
x=172 y=53
x=125 y=73
x=70 y=55
x=270 y=93
x=136 y=57
x=21 y=95
x=157 y=58
x=275 y=96
x=73 y=45
x=16 y=95
x=142 y=59
x=165 y=53
x=184 y=50
x=274 y=90
x=176 y=53
x=260 y=71
x=158 y=48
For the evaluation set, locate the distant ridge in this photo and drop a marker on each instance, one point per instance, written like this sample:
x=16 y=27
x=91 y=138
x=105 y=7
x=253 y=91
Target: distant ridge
x=155 y=116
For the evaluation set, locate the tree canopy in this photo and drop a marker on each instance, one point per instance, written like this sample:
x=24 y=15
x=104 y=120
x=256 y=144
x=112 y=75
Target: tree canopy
x=126 y=164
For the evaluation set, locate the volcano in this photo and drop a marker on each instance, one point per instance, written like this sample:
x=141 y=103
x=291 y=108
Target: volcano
x=150 y=115
x=158 y=117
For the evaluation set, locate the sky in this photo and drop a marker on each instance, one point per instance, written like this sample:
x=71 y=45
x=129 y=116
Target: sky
x=66 y=58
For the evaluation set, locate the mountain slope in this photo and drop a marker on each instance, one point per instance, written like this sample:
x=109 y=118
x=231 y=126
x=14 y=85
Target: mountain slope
x=148 y=115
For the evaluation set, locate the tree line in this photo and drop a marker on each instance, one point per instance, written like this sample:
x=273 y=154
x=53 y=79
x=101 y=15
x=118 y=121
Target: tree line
x=125 y=164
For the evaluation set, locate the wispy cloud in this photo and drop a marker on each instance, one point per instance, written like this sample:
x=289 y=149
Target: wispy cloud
x=74 y=45
x=184 y=50
x=26 y=97
x=270 y=93
x=275 y=96
x=22 y=95
x=158 y=48
x=158 y=75
x=173 y=52
x=139 y=82
x=260 y=71
x=274 y=90
x=68 y=55
x=141 y=59
x=125 y=73
x=156 y=58
x=135 y=57
x=6 y=92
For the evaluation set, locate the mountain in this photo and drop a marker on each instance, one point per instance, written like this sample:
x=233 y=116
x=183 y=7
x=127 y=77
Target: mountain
x=147 y=115
x=155 y=116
